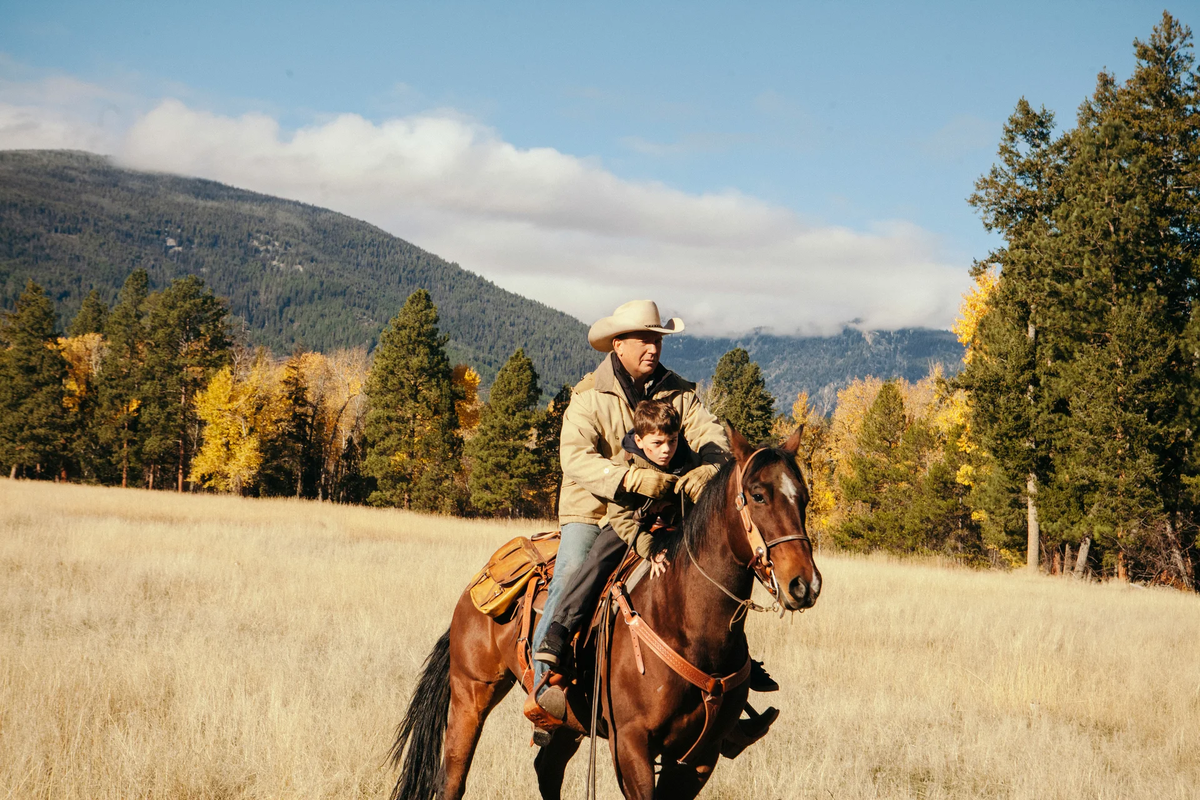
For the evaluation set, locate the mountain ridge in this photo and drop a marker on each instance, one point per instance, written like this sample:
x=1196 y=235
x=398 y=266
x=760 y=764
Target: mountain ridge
x=300 y=275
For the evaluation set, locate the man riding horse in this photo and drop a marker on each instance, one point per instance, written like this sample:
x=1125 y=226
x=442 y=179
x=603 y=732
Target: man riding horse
x=599 y=417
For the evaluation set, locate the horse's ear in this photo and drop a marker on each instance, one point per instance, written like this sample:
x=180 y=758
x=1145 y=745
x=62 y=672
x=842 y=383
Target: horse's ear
x=792 y=445
x=742 y=450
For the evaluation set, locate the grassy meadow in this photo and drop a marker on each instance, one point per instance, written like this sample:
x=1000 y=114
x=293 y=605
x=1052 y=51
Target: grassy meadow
x=157 y=645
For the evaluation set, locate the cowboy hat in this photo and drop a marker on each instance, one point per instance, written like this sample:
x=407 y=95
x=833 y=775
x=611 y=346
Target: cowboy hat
x=634 y=316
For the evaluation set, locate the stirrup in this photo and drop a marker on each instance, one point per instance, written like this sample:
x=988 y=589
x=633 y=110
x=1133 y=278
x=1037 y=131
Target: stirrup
x=544 y=718
x=748 y=731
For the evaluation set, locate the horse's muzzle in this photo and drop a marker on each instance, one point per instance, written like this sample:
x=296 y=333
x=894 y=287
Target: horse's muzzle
x=801 y=594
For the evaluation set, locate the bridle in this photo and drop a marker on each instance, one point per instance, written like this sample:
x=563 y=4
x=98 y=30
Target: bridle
x=760 y=549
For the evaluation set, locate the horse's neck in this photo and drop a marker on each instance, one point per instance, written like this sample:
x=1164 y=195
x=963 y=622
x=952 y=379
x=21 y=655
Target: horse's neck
x=688 y=609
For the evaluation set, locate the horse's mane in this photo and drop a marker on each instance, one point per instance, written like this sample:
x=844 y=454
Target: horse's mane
x=697 y=522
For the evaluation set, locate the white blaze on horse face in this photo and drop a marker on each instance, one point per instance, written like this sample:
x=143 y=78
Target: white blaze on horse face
x=789 y=488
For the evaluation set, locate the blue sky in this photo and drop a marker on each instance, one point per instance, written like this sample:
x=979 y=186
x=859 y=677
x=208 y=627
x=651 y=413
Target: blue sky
x=795 y=166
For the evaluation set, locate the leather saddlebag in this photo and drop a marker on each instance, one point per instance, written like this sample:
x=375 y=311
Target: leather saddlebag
x=510 y=568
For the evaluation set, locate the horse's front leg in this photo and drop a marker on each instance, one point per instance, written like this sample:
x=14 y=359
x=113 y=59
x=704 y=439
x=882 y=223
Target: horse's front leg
x=634 y=763
x=683 y=782
x=551 y=762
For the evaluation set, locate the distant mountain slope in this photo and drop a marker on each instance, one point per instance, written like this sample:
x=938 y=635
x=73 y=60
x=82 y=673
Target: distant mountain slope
x=822 y=365
x=295 y=274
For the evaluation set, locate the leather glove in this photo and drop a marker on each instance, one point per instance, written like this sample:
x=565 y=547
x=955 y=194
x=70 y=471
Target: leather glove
x=648 y=482
x=692 y=483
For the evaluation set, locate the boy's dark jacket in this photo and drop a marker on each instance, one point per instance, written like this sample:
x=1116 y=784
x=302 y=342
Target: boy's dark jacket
x=631 y=515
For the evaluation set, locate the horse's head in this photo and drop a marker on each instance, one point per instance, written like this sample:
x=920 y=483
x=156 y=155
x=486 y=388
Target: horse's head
x=770 y=495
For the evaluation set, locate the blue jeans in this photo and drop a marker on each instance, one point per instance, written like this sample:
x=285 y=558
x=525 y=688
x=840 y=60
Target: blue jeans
x=577 y=541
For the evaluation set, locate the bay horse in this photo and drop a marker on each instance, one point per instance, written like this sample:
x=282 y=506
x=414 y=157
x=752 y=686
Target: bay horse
x=697 y=607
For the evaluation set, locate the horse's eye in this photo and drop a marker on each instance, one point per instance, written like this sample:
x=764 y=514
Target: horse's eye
x=758 y=498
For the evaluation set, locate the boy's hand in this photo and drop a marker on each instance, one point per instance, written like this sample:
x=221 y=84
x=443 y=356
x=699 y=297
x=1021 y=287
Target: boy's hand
x=694 y=482
x=659 y=564
x=648 y=482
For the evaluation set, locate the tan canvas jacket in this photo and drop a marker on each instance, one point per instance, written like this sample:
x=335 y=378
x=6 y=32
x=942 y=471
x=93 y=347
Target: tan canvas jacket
x=596 y=420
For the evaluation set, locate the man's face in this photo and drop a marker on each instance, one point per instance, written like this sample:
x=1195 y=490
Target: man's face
x=639 y=353
x=659 y=447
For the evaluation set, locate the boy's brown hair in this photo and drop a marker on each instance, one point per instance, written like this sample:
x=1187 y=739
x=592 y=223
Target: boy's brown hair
x=655 y=416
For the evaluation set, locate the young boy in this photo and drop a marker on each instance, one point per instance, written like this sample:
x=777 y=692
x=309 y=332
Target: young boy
x=653 y=443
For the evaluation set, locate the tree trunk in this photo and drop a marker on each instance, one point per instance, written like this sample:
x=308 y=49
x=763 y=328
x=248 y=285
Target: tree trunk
x=125 y=454
x=1066 y=559
x=12 y=473
x=1181 y=565
x=1033 y=531
x=1081 y=559
x=182 y=434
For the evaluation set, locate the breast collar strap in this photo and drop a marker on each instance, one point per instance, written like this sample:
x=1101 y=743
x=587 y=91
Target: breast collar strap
x=760 y=548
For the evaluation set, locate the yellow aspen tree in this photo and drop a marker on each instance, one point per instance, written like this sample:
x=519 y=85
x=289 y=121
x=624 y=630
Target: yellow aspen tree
x=974 y=306
x=239 y=413
x=815 y=460
x=469 y=407
x=83 y=355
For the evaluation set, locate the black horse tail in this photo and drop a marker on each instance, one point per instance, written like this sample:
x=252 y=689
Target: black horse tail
x=424 y=729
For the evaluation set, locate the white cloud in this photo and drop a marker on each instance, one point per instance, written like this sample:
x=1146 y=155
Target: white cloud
x=554 y=227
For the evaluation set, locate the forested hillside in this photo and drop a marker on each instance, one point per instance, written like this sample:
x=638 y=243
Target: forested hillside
x=294 y=274
x=297 y=275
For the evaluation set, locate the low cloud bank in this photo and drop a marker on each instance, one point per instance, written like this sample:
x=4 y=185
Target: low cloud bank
x=550 y=226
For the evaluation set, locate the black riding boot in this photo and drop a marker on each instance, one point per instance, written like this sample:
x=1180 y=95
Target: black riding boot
x=760 y=680
x=554 y=645
x=749 y=730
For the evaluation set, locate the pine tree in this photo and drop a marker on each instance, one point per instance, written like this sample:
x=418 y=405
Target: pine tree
x=116 y=428
x=187 y=342
x=91 y=317
x=740 y=395
x=877 y=480
x=504 y=466
x=1129 y=244
x=549 y=434
x=412 y=445
x=1011 y=407
x=292 y=460
x=33 y=433
x=83 y=355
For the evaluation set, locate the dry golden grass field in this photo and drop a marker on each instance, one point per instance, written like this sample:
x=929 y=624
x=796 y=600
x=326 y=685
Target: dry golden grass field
x=156 y=645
